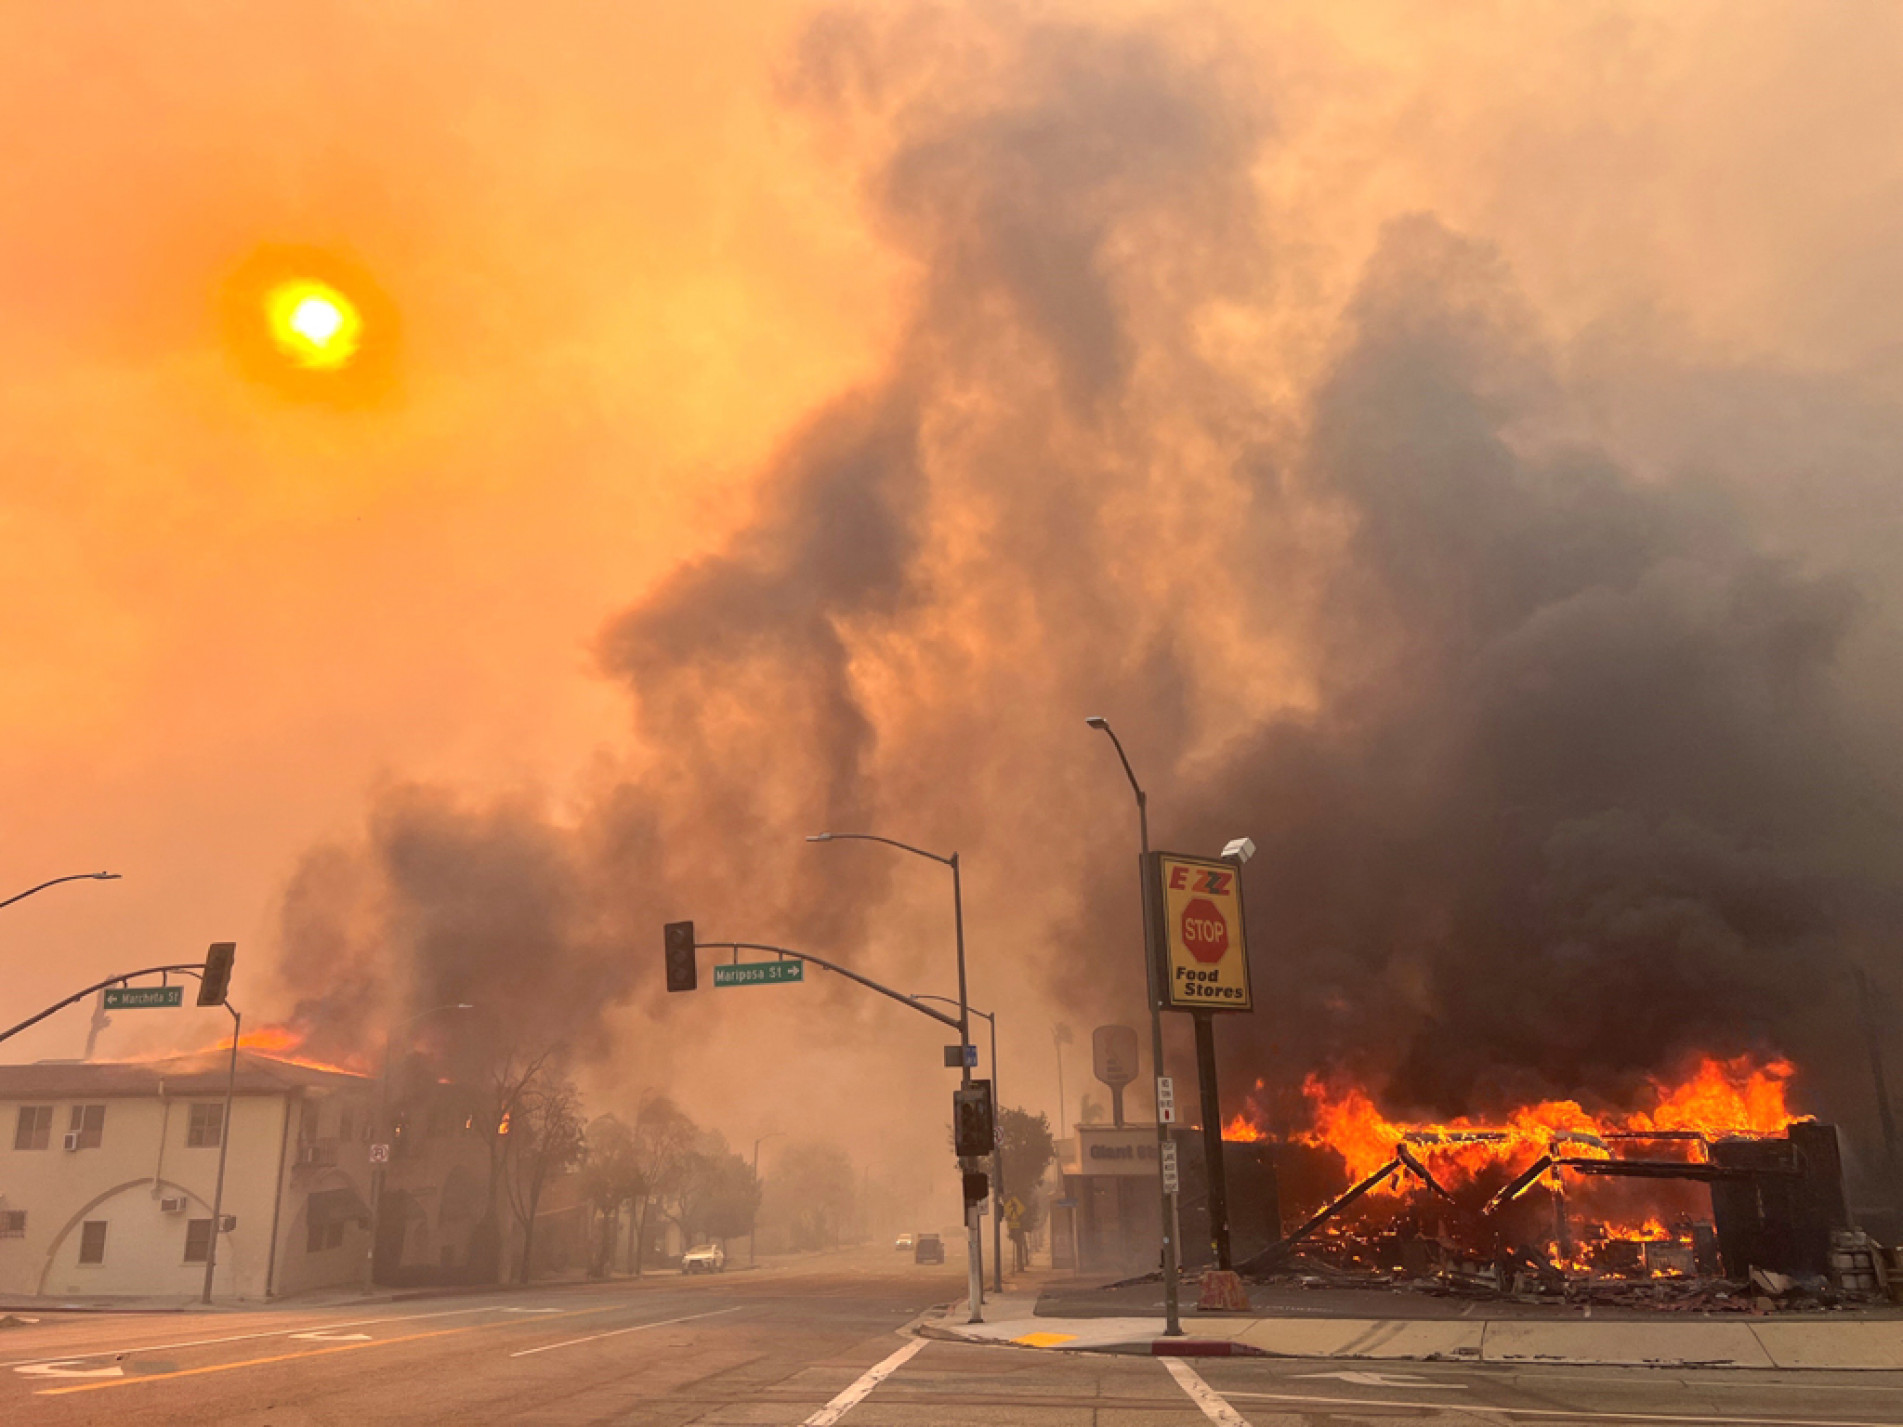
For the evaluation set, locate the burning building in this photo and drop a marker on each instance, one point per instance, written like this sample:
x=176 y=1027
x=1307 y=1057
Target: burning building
x=1717 y=1177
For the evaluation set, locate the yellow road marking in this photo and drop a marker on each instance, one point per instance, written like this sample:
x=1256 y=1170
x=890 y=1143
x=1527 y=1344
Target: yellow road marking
x=1045 y=1340
x=321 y=1352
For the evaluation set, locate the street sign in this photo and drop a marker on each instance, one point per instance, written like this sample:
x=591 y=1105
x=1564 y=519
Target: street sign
x=1013 y=1209
x=379 y=1154
x=1171 y=1184
x=141 y=998
x=759 y=973
x=1198 y=906
x=1165 y=1100
x=953 y=1058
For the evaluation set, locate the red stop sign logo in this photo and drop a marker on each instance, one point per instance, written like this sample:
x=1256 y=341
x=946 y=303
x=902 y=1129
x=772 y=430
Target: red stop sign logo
x=1205 y=931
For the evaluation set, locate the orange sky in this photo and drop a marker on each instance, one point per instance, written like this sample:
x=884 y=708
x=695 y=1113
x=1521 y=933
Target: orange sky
x=628 y=264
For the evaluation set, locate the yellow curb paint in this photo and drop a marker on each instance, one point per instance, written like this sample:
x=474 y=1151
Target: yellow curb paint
x=1045 y=1340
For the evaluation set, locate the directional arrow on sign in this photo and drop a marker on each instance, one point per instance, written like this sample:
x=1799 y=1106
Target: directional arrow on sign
x=1380 y=1379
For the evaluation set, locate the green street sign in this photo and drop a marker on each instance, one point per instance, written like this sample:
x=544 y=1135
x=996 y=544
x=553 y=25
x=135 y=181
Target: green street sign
x=759 y=973
x=141 y=998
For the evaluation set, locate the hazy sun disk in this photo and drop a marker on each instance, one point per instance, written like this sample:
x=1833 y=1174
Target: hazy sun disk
x=314 y=324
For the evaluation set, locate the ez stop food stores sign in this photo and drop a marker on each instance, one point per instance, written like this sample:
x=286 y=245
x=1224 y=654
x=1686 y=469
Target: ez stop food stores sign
x=1197 y=904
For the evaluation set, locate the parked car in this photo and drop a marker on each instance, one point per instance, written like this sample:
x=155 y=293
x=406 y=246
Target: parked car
x=708 y=1258
x=904 y=1242
x=929 y=1248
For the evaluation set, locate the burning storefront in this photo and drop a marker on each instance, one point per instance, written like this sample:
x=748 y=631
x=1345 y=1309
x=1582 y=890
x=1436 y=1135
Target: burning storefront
x=1718 y=1180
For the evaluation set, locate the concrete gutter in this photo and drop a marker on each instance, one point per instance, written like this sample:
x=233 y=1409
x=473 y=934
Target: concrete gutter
x=1853 y=1345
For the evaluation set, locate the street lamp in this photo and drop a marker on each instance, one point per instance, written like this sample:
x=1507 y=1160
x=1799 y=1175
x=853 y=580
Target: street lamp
x=976 y=1236
x=753 y=1225
x=1173 y=1328
x=76 y=877
x=997 y=1147
x=377 y=1170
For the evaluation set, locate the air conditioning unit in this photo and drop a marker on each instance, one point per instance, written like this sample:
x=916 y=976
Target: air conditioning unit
x=175 y=1205
x=71 y=1141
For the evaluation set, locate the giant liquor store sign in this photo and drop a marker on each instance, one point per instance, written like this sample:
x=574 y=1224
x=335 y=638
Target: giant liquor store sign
x=1197 y=904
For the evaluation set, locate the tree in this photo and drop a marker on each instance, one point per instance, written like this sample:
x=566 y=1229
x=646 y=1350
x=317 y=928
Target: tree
x=718 y=1196
x=1028 y=1151
x=545 y=1131
x=511 y=1073
x=611 y=1177
x=664 y=1141
x=813 y=1192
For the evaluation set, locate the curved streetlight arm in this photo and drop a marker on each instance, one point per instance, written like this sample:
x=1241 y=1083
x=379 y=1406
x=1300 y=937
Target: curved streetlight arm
x=188 y=968
x=847 y=972
x=76 y=877
x=874 y=837
x=1143 y=799
x=949 y=1001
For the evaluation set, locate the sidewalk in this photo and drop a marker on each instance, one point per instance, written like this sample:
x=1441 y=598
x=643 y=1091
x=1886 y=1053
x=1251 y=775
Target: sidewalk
x=1839 y=1343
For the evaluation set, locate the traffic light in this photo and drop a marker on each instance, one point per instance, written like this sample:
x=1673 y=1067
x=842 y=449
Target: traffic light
x=977 y=1188
x=216 y=979
x=972 y=1134
x=681 y=974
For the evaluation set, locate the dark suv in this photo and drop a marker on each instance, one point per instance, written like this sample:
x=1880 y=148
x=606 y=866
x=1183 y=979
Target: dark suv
x=929 y=1249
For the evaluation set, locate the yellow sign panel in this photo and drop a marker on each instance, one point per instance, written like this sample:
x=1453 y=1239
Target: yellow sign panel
x=1205 y=959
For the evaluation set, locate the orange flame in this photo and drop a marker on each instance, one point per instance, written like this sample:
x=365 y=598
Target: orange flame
x=281 y=1042
x=1735 y=1096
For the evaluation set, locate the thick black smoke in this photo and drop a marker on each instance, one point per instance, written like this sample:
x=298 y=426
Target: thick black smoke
x=1553 y=765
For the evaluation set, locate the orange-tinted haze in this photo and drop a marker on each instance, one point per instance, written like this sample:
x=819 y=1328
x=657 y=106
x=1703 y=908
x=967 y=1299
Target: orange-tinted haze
x=631 y=253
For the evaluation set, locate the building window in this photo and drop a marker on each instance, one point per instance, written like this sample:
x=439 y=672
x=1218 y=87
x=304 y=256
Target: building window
x=35 y=1128
x=307 y=1122
x=197 y=1240
x=88 y=1124
x=12 y=1223
x=344 y=1126
x=322 y=1236
x=207 y=1123
x=92 y=1241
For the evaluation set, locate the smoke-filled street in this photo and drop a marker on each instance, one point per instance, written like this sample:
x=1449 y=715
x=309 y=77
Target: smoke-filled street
x=687 y=687
x=815 y=1344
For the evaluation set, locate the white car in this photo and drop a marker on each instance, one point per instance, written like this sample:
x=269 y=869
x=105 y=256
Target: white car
x=904 y=1242
x=708 y=1258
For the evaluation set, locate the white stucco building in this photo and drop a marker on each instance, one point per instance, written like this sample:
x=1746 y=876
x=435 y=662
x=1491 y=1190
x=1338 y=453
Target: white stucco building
x=107 y=1174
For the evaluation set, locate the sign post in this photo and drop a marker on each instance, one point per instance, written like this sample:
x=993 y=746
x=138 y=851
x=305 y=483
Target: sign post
x=1197 y=906
x=1114 y=1058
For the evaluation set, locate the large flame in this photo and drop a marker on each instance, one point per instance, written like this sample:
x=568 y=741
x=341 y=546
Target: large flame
x=282 y=1042
x=1720 y=1097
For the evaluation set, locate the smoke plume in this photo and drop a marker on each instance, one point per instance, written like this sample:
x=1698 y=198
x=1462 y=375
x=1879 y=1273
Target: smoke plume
x=1553 y=715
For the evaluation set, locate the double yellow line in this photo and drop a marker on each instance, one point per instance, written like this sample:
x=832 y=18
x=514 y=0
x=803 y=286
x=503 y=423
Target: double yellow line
x=144 y=1378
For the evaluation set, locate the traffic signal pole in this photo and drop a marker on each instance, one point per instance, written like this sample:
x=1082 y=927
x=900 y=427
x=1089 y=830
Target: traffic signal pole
x=224 y=1146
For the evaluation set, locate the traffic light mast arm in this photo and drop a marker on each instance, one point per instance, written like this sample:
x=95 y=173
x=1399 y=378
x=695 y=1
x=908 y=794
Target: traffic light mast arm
x=190 y=968
x=846 y=972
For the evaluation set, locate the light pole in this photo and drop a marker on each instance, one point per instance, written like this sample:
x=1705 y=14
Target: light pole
x=753 y=1224
x=997 y=1148
x=377 y=1170
x=224 y=1145
x=975 y=1236
x=1173 y=1327
x=76 y=877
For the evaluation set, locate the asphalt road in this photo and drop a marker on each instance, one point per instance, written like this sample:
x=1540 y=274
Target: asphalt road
x=813 y=1344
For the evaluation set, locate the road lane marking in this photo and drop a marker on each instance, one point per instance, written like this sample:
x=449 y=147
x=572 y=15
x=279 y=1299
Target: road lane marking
x=313 y=1353
x=324 y=1337
x=1215 y=1407
x=1729 y=1420
x=69 y=1367
x=269 y=1333
x=868 y=1380
x=617 y=1332
x=1381 y=1379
